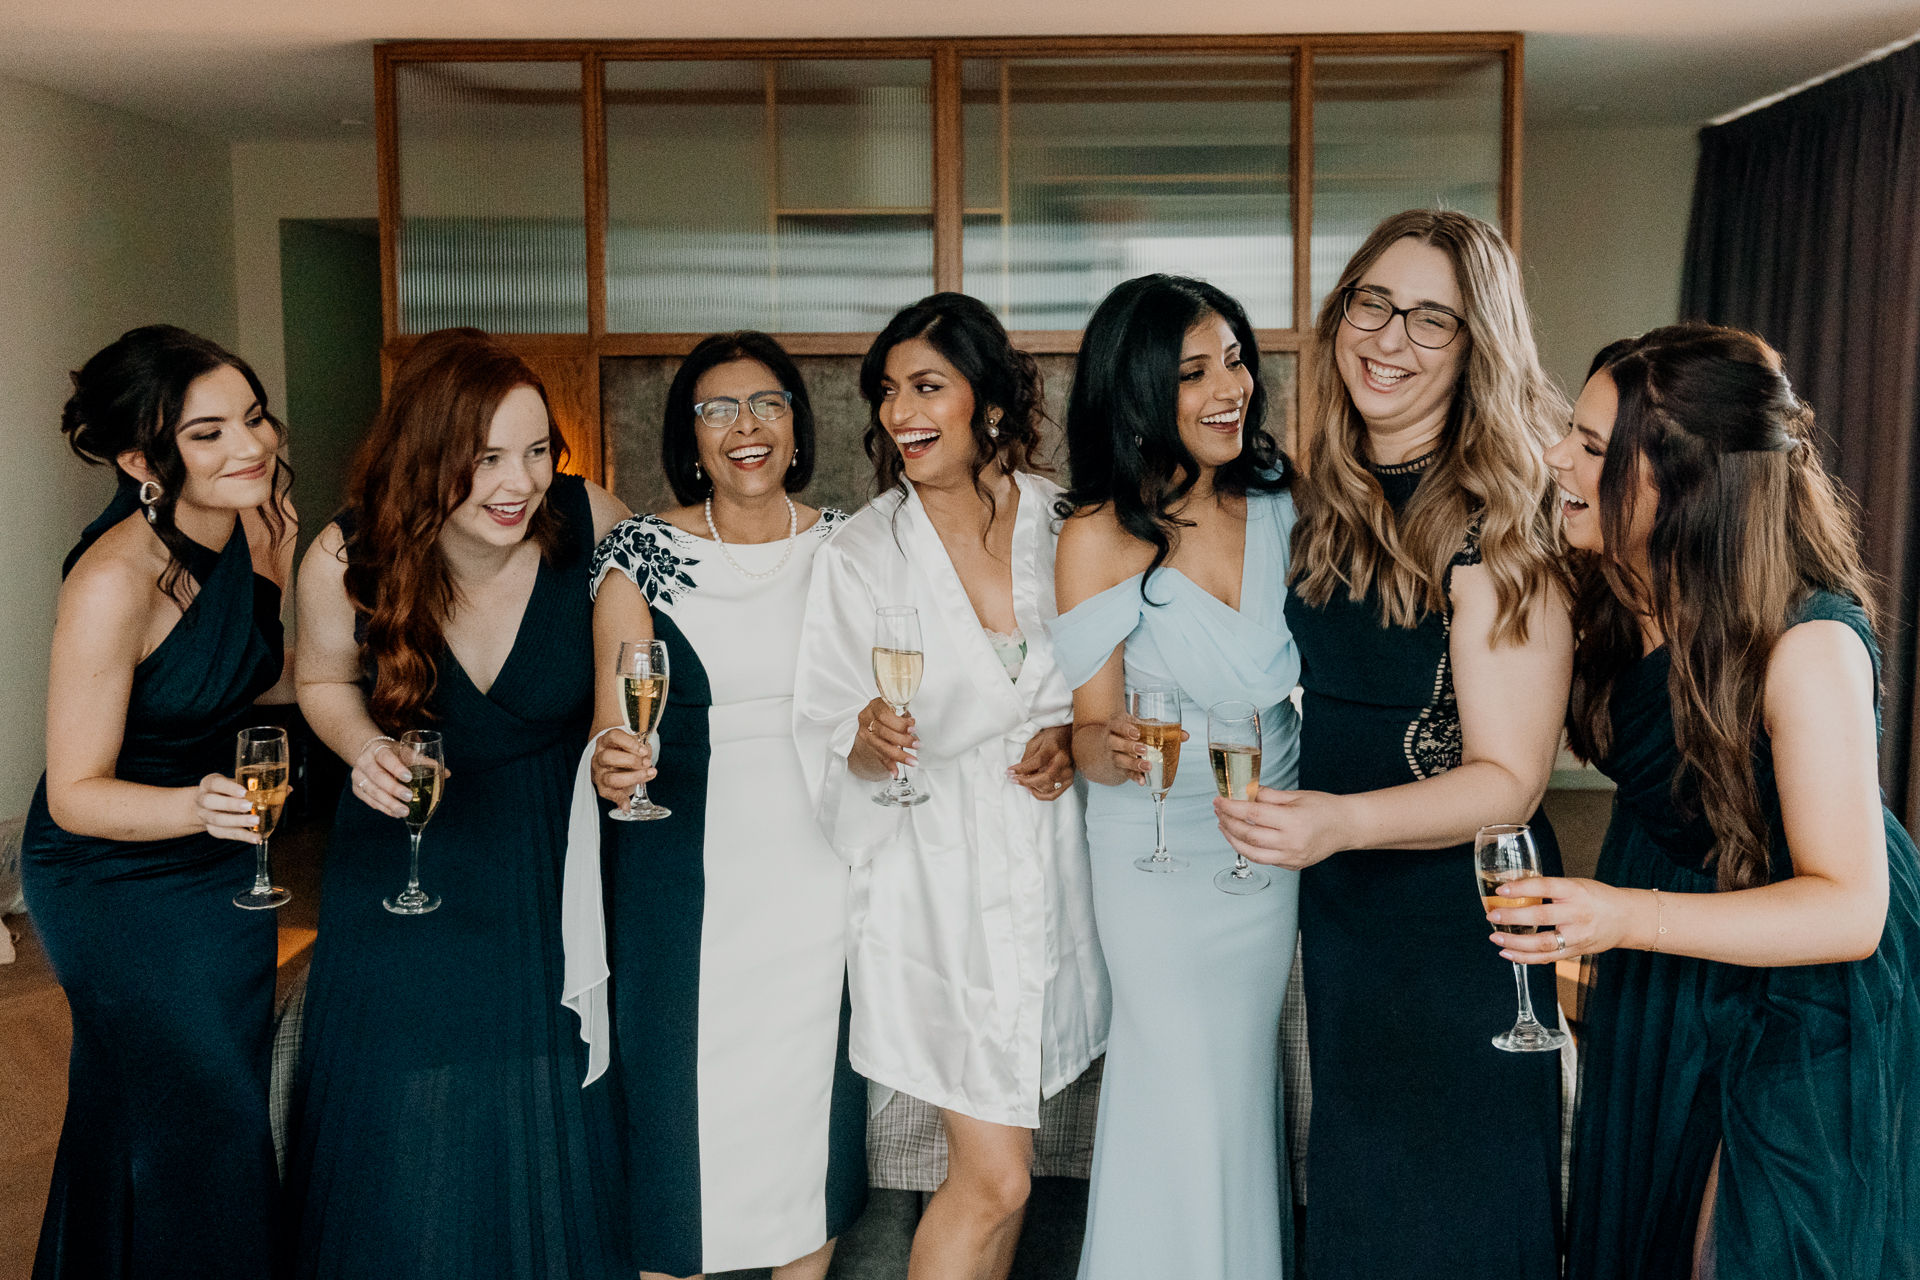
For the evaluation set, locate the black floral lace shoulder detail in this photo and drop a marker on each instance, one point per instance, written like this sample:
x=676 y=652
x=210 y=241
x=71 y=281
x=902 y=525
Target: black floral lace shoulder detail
x=831 y=518
x=1433 y=743
x=649 y=551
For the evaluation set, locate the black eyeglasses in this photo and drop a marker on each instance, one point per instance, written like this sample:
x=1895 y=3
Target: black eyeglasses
x=1428 y=327
x=724 y=411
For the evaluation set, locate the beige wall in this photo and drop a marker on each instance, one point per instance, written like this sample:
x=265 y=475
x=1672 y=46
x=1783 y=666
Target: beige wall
x=287 y=179
x=111 y=221
x=1603 y=235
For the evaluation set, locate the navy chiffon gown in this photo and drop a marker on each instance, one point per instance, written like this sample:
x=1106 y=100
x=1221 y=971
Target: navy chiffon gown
x=439 y=1129
x=165 y=1166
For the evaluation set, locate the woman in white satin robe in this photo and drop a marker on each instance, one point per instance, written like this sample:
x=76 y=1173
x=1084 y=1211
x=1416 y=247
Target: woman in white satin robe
x=977 y=981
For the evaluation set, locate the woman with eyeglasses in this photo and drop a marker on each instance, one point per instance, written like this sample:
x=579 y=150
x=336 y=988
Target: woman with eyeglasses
x=1436 y=655
x=721 y=982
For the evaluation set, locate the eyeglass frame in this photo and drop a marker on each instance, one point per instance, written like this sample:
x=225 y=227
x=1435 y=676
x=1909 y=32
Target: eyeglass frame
x=700 y=417
x=1351 y=291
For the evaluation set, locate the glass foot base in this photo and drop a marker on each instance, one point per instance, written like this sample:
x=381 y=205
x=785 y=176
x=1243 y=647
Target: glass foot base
x=262 y=901
x=647 y=812
x=1160 y=866
x=1252 y=880
x=411 y=902
x=890 y=800
x=1531 y=1039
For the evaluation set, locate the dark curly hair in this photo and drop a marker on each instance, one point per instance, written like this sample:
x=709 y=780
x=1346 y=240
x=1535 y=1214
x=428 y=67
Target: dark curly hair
x=970 y=338
x=1123 y=417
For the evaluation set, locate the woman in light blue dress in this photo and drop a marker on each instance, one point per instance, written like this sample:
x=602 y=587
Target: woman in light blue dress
x=1172 y=571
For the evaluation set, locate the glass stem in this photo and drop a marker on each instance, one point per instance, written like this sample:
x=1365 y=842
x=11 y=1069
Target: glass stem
x=413 y=862
x=1526 y=996
x=1160 y=827
x=262 y=878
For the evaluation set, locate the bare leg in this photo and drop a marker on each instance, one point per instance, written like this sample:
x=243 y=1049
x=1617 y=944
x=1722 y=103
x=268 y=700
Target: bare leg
x=811 y=1267
x=972 y=1223
x=1703 y=1261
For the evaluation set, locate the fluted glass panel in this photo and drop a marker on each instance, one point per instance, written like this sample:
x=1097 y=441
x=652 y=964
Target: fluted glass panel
x=1115 y=167
x=492 y=197
x=1394 y=132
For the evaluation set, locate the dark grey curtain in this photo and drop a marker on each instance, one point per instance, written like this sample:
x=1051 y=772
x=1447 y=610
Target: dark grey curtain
x=1806 y=230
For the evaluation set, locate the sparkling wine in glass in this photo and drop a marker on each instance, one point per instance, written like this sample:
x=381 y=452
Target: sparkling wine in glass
x=1155 y=710
x=260 y=762
x=898 y=661
x=1233 y=747
x=426 y=760
x=1501 y=854
x=642 y=669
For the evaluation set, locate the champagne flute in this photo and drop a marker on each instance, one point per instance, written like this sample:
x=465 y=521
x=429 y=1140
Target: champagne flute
x=260 y=765
x=1233 y=747
x=897 y=663
x=1156 y=710
x=642 y=668
x=426 y=761
x=1500 y=854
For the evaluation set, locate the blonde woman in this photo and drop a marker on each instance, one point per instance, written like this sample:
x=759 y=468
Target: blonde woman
x=1436 y=654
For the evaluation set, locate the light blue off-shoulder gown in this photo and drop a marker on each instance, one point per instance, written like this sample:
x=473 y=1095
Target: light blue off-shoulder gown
x=1188 y=1174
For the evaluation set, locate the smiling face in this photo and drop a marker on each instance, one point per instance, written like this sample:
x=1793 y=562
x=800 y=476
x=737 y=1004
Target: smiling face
x=748 y=457
x=511 y=475
x=226 y=444
x=927 y=406
x=1577 y=462
x=1215 y=389
x=1396 y=385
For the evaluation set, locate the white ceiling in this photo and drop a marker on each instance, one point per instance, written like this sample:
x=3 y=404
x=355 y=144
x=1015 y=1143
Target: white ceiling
x=264 y=68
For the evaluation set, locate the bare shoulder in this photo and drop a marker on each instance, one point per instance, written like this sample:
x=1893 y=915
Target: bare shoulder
x=1822 y=658
x=607 y=510
x=1095 y=553
x=115 y=584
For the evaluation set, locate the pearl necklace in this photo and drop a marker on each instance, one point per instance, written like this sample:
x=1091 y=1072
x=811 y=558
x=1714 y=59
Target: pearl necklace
x=793 y=530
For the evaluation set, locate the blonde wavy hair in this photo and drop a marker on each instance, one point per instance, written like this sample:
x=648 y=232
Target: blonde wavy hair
x=1489 y=466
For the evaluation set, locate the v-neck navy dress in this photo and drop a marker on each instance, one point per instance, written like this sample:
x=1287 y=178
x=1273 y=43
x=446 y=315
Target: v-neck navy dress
x=439 y=1130
x=1431 y=1155
x=165 y=1166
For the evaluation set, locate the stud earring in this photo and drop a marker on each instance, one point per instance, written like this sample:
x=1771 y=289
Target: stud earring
x=148 y=500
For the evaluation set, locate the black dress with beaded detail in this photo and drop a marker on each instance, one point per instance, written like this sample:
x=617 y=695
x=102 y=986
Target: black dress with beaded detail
x=439 y=1130
x=1430 y=1153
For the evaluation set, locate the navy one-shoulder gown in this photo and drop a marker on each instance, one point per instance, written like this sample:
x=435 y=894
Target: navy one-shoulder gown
x=165 y=1166
x=1804 y=1078
x=1404 y=992
x=439 y=1130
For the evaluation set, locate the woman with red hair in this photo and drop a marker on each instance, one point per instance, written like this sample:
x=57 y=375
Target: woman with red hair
x=438 y=1125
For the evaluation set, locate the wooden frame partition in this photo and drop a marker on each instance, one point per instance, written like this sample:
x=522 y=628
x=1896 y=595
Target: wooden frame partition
x=570 y=362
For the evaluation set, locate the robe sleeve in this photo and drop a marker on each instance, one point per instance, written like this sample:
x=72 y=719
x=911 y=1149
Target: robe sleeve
x=833 y=684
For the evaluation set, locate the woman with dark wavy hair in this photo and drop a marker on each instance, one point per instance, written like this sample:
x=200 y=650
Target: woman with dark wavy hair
x=438 y=1127
x=1750 y=1093
x=976 y=977
x=1172 y=573
x=168 y=633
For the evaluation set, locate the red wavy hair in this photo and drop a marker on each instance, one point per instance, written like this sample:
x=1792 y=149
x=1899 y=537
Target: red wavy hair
x=410 y=473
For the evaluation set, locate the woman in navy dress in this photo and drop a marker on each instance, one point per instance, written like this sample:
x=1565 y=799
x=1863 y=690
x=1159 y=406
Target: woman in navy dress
x=1750 y=1094
x=168 y=633
x=438 y=1128
x=1435 y=654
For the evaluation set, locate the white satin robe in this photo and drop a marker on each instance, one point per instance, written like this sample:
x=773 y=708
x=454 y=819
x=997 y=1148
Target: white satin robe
x=976 y=974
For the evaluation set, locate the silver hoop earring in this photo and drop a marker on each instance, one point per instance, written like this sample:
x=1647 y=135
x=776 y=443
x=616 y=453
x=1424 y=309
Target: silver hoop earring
x=147 y=500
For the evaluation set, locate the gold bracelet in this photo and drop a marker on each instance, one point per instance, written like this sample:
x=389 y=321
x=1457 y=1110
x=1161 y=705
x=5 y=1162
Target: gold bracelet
x=378 y=737
x=1659 y=929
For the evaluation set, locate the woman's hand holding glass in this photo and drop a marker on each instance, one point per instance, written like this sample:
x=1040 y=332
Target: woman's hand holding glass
x=1284 y=828
x=1588 y=917
x=220 y=805
x=620 y=763
x=1046 y=767
x=881 y=741
x=381 y=779
x=1123 y=746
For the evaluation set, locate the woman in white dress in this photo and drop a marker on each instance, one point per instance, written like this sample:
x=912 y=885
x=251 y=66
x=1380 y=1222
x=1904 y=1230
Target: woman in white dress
x=978 y=986
x=745 y=1128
